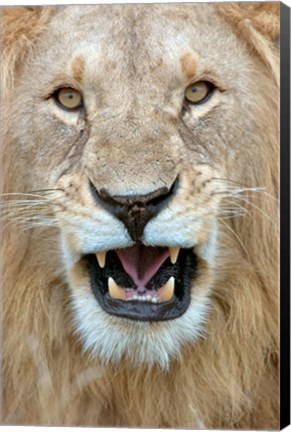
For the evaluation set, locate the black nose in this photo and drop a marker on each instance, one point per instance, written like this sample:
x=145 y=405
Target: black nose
x=135 y=210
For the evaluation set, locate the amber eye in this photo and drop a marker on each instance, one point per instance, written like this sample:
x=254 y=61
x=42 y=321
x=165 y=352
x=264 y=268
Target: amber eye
x=69 y=98
x=197 y=92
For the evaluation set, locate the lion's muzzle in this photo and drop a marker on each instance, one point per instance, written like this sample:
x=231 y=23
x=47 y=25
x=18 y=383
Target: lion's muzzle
x=135 y=210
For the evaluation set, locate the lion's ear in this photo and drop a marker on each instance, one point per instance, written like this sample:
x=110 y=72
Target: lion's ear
x=21 y=25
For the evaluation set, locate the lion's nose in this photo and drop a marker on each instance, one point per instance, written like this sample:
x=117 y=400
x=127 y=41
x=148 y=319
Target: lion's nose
x=135 y=210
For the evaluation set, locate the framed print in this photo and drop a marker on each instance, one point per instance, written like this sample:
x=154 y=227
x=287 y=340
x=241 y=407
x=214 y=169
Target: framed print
x=141 y=177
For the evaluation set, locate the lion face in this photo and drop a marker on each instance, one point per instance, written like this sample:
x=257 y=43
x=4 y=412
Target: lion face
x=139 y=126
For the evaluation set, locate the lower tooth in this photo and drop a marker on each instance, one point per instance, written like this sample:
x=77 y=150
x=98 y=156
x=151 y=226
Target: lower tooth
x=167 y=291
x=148 y=298
x=114 y=290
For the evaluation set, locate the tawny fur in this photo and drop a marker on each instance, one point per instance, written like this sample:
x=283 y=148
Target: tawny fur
x=227 y=379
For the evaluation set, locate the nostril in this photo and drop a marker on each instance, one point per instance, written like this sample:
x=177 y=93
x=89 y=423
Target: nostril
x=161 y=196
x=153 y=198
x=135 y=210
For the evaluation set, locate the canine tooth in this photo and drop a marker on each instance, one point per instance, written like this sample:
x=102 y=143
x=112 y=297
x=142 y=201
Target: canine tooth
x=114 y=290
x=154 y=300
x=101 y=258
x=174 y=252
x=166 y=292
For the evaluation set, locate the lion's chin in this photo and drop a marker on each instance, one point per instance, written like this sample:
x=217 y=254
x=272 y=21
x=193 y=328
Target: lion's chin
x=139 y=333
x=143 y=283
x=110 y=339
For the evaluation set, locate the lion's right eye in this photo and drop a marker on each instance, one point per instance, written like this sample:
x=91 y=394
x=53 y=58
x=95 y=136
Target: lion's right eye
x=198 y=92
x=69 y=98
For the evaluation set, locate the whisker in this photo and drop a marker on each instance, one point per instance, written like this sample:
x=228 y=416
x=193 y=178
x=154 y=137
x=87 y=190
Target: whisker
x=8 y=194
x=237 y=238
x=236 y=191
x=28 y=225
x=255 y=207
x=33 y=209
x=243 y=211
x=47 y=190
x=242 y=188
x=230 y=216
x=226 y=180
x=259 y=196
x=230 y=212
x=23 y=204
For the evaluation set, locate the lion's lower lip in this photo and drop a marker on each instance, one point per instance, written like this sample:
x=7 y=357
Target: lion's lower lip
x=183 y=272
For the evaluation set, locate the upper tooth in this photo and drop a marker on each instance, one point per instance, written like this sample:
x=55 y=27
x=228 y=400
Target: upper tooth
x=114 y=290
x=101 y=258
x=174 y=252
x=167 y=291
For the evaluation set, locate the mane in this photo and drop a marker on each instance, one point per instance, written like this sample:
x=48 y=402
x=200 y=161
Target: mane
x=21 y=26
x=229 y=373
x=258 y=24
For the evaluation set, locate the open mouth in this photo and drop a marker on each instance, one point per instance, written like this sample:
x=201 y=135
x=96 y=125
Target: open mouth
x=143 y=283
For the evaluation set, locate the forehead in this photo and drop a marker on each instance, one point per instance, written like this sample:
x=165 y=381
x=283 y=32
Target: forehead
x=164 y=21
x=138 y=35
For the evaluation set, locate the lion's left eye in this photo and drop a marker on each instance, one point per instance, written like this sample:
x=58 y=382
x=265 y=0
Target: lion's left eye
x=69 y=98
x=198 y=92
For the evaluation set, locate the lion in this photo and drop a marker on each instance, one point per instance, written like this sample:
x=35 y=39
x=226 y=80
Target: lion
x=140 y=273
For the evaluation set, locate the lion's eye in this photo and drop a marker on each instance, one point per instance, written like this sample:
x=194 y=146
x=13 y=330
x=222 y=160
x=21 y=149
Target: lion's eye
x=69 y=98
x=197 y=92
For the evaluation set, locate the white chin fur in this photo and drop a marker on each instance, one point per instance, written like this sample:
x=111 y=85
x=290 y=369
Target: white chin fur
x=111 y=339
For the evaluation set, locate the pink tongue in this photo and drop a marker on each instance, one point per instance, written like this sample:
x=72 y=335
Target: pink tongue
x=141 y=262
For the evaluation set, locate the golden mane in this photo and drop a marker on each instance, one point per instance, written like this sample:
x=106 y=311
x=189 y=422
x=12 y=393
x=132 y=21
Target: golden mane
x=259 y=25
x=235 y=389
x=21 y=26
